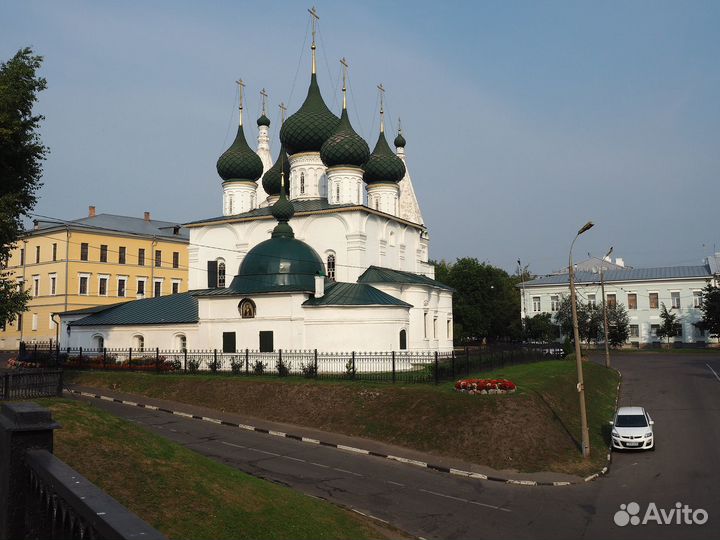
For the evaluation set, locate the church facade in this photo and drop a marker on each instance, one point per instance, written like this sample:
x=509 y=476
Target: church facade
x=323 y=249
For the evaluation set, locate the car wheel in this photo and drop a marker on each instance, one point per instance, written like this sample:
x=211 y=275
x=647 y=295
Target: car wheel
x=652 y=449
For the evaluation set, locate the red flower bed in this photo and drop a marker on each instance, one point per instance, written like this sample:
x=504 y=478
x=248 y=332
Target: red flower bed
x=485 y=386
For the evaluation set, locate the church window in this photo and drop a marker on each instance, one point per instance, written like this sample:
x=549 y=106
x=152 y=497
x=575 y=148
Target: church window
x=337 y=193
x=221 y=274
x=138 y=342
x=230 y=204
x=181 y=342
x=377 y=204
x=247 y=309
x=302 y=183
x=403 y=339
x=331 y=266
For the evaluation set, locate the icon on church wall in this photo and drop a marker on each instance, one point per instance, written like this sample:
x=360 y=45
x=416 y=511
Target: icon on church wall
x=247 y=309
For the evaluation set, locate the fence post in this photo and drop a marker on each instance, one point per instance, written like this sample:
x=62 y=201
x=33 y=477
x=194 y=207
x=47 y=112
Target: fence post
x=22 y=426
x=130 y=358
x=6 y=386
x=185 y=360
x=57 y=354
x=437 y=368
x=214 y=370
x=280 y=364
x=35 y=353
x=247 y=361
x=81 y=359
x=157 y=359
x=60 y=383
x=393 y=367
x=316 y=365
x=467 y=360
x=104 y=358
x=353 y=364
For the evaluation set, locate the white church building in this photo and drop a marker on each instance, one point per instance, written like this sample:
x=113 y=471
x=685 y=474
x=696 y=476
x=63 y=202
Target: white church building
x=338 y=263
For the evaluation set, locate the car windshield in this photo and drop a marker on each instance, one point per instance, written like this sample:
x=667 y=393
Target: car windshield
x=631 y=420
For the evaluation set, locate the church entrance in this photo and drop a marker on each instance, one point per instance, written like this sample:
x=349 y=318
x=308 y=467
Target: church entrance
x=266 y=341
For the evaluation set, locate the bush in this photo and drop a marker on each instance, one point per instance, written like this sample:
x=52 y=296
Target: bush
x=236 y=365
x=350 y=369
x=193 y=365
x=309 y=371
x=282 y=368
x=259 y=367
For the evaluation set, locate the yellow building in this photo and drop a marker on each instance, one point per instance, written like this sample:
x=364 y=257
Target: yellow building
x=97 y=260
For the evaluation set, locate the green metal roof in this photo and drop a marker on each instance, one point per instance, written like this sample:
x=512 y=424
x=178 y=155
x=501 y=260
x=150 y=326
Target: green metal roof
x=354 y=294
x=344 y=146
x=378 y=274
x=239 y=162
x=383 y=165
x=272 y=178
x=181 y=308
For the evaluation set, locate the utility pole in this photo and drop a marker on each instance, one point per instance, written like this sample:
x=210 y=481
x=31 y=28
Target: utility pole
x=523 y=315
x=604 y=304
x=578 y=353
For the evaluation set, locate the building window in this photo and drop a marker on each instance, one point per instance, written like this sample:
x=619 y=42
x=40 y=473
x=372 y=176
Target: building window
x=591 y=300
x=176 y=259
x=697 y=299
x=449 y=328
x=158 y=258
x=102 y=286
x=20 y=322
x=99 y=342
x=403 y=339
x=103 y=252
x=675 y=299
x=175 y=286
x=141 y=287
x=141 y=257
x=632 y=301
x=230 y=204
x=434 y=327
x=83 y=289
x=53 y=284
x=84 y=251
x=36 y=285
x=54 y=252
x=221 y=274
x=37 y=254
x=699 y=333
x=634 y=331
x=181 y=341
x=536 y=303
x=121 y=255
x=337 y=192
x=302 y=183
x=138 y=342
x=22 y=256
x=122 y=285
x=247 y=309
x=157 y=288
x=611 y=301
x=654 y=330
x=554 y=303
x=34 y=321
x=425 y=325
x=331 y=267
x=654 y=301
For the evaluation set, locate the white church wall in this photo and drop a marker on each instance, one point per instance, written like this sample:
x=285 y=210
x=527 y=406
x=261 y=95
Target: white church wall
x=162 y=336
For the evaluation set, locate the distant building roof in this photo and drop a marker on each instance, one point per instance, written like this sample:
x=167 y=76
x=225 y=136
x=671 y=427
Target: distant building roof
x=181 y=308
x=634 y=274
x=593 y=264
x=118 y=224
x=378 y=274
x=354 y=294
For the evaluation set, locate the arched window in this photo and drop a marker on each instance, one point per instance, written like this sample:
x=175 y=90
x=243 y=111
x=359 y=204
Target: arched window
x=302 y=183
x=98 y=342
x=337 y=193
x=138 y=342
x=377 y=204
x=331 y=267
x=230 y=204
x=391 y=238
x=221 y=274
x=181 y=342
x=403 y=339
x=247 y=308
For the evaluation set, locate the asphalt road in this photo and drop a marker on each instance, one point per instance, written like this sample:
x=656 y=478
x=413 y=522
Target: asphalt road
x=681 y=392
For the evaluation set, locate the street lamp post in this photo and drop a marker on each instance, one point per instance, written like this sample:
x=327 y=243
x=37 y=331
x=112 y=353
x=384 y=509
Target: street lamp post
x=578 y=358
x=604 y=304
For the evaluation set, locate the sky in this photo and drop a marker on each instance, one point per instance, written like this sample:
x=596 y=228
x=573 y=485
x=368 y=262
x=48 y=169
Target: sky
x=523 y=119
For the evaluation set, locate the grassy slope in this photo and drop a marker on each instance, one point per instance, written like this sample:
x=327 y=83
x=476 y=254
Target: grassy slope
x=186 y=495
x=534 y=429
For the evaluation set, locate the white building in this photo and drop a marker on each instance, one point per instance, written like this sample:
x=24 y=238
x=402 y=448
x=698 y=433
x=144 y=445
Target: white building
x=642 y=291
x=349 y=271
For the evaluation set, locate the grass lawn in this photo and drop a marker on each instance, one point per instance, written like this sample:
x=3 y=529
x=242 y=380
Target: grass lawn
x=186 y=495
x=535 y=429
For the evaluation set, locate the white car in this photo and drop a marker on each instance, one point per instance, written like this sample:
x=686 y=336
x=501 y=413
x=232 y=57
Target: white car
x=632 y=429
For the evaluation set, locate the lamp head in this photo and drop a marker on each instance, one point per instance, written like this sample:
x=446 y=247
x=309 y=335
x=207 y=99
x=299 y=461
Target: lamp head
x=609 y=252
x=587 y=226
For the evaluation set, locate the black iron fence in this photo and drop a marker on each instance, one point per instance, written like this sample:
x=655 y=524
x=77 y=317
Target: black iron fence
x=43 y=498
x=28 y=384
x=392 y=366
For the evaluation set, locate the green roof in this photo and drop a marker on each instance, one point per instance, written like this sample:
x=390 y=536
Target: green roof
x=344 y=146
x=272 y=179
x=354 y=294
x=378 y=274
x=181 y=308
x=263 y=121
x=400 y=140
x=383 y=165
x=239 y=162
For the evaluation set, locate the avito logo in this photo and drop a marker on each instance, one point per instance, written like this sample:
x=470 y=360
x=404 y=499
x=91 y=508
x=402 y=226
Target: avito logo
x=681 y=514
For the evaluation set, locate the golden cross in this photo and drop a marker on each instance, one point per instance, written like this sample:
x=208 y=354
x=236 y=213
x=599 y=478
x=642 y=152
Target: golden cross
x=241 y=86
x=283 y=108
x=381 y=88
x=344 y=87
x=314 y=17
x=264 y=95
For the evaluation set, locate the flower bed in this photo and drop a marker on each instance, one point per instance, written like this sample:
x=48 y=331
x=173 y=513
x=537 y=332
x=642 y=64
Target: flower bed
x=14 y=363
x=485 y=386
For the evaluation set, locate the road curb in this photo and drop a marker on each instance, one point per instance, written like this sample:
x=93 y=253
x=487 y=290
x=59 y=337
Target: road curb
x=308 y=440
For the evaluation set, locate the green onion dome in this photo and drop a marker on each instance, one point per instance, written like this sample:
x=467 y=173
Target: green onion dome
x=263 y=121
x=271 y=179
x=283 y=210
x=383 y=166
x=239 y=162
x=399 y=140
x=344 y=147
x=311 y=125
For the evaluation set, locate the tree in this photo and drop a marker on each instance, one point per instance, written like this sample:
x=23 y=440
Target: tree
x=710 y=307
x=21 y=156
x=541 y=328
x=670 y=326
x=618 y=325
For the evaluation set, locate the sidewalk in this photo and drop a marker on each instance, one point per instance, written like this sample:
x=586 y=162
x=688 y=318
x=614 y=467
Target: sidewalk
x=360 y=445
